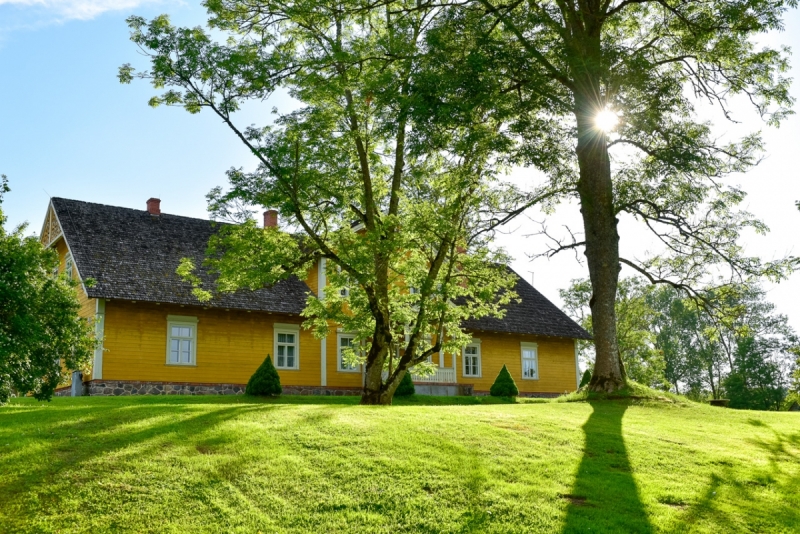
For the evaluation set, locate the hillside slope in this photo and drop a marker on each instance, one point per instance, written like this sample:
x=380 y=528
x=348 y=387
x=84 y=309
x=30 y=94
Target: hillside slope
x=208 y=464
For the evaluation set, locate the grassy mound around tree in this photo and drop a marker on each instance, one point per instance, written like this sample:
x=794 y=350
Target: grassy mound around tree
x=406 y=387
x=265 y=381
x=504 y=385
x=632 y=391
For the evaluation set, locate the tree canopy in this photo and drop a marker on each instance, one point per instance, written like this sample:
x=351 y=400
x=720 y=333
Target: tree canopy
x=644 y=67
x=401 y=207
x=42 y=338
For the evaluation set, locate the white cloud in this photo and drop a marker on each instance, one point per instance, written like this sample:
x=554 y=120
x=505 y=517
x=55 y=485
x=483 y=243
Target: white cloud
x=76 y=9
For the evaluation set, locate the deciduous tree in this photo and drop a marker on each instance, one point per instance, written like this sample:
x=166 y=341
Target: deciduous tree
x=42 y=338
x=624 y=80
x=400 y=208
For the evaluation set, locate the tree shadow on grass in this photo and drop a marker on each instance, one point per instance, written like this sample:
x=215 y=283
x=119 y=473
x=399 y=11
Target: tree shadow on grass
x=604 y=497
x=753 y=490
x=44 y=451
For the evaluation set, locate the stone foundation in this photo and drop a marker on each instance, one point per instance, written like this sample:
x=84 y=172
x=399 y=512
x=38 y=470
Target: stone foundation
x=123 y=387
x=111 y=388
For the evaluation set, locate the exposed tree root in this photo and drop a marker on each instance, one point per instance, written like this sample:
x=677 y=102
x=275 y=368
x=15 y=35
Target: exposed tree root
x=606 y=384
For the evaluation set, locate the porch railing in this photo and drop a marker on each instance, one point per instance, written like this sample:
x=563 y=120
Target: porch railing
x=443 y=375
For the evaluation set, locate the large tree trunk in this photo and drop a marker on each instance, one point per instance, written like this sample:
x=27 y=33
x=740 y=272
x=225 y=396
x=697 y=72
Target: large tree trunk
x=375 y=391
x=596 y=195
x=602 y=240
x=378 y=393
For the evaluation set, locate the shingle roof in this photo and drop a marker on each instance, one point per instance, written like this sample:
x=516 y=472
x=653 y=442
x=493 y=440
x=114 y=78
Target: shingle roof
x=133 y=256
x=534 y=314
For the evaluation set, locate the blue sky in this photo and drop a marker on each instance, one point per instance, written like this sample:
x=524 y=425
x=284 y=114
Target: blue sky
x=68 y=128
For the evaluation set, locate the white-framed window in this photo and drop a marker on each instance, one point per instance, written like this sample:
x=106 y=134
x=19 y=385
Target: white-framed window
x=68 y=266
x=471 y=355
x=530 y=361
x=181 y=340
x=287 y=346
x=345 y=341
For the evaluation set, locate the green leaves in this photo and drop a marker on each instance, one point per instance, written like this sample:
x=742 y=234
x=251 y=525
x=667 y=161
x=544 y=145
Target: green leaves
x=211 y=75
x=42 y=338
x=362 y=179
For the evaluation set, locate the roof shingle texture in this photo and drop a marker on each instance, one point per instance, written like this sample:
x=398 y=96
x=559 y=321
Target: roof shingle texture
x=533 y=314
x=133 y=256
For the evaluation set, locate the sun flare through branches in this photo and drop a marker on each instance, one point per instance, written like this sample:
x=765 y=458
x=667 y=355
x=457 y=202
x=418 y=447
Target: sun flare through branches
x=606 y=120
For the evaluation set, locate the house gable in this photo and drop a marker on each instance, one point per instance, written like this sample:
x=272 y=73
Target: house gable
x=51 y=228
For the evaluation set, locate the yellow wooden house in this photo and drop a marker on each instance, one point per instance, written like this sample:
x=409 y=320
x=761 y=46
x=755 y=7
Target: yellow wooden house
x=157 y=338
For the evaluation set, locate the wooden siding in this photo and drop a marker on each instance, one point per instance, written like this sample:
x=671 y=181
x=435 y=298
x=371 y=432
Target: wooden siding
x=557 y=372
x=61 y=248
x=88 y=305
x=312 y=280
x=337 y=378
x=230 y=345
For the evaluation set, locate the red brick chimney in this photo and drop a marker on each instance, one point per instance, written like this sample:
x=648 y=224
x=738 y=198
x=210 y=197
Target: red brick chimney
x=154 y=206
x=270 y=219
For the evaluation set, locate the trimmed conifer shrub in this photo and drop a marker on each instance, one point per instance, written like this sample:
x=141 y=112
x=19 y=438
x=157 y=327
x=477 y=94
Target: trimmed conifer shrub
x=587 y=375
x=265 y=381
x=406 y=387
x=504 y=385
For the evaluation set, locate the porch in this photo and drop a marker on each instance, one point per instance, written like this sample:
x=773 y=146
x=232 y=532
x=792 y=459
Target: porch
x=441 y=383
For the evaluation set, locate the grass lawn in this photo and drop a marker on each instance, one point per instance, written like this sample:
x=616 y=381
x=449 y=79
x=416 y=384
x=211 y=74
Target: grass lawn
x=321 y=464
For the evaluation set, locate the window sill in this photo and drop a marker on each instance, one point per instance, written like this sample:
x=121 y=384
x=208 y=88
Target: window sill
x=528 y=378
x=181 y=364
x=350 y=371
x=287 y=368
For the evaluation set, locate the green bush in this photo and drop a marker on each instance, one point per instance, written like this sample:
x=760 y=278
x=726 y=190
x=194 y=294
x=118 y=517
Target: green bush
x=587 y=375
x=406 y=387
x=504 y=385
x=265 y=381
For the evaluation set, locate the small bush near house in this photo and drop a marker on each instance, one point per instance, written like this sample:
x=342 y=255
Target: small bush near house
x=587 y=376
x=265 y=381
x=504 y=385
x=406 y=387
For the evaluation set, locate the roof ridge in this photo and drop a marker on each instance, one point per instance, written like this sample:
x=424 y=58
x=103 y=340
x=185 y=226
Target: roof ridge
x=71 y=200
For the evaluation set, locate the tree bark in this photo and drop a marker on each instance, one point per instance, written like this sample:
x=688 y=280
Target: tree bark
x=381 y=394
x=599 y=218
x=374 y=390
